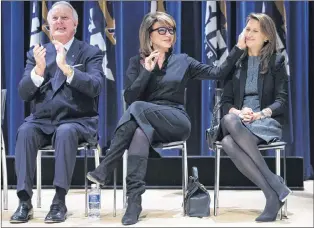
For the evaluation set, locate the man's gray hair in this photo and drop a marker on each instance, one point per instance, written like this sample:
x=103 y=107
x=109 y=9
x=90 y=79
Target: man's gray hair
x=75 y=16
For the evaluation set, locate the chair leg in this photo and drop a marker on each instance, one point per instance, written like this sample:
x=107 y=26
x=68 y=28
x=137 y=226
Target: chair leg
x=285 y=179
x=185 y=174
x=97 y=160
x=4 y=173
x=38 y=178
x=278 y=170
x=217 y=177
x=125 y=168
x=114 y=192
x=85 y=173
x=97 y=155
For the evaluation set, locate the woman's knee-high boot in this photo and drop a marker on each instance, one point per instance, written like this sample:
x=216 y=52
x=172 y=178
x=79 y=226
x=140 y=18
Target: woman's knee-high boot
x=136 y=172
x=120 y=142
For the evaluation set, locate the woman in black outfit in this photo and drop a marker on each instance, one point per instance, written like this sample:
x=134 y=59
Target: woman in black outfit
x=154 y=90
x=254 y=103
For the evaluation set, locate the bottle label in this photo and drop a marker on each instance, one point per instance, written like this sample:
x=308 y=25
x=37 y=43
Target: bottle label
x=94 y=198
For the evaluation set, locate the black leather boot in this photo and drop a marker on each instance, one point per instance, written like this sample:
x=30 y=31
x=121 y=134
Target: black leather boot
x=120 y=142
x=136 y=172
x=133 y=210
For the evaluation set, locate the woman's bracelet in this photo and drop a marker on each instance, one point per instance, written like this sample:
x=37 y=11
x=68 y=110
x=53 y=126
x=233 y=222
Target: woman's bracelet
x=262 y=115
x=266 y=112
x=241 y=115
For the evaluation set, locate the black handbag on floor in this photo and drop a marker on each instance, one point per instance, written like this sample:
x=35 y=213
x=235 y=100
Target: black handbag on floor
x=197 y=198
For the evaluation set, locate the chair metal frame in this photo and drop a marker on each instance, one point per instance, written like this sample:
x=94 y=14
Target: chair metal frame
x=3 y=154
x=83 y=146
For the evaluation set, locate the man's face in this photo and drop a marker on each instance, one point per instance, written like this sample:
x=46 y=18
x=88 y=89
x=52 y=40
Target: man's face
x=62 y=24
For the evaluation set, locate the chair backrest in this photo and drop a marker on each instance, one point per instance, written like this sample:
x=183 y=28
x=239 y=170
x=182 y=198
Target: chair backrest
x=218 y=94
x=185 y=89
x=3 y=99
x=123 y=101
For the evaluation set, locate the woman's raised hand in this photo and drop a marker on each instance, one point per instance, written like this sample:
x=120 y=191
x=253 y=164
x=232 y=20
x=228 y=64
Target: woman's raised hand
x=151 y=60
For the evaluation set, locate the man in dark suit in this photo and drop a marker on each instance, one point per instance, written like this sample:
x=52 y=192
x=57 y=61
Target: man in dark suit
x=63 y=80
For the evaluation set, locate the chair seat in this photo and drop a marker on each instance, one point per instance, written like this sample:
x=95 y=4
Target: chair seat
x=80 y=147
x=171 y=144
x=273 y=145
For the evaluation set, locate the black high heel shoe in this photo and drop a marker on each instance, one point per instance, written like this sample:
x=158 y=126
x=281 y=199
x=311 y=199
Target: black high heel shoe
x=283 y=195
x=270 y=216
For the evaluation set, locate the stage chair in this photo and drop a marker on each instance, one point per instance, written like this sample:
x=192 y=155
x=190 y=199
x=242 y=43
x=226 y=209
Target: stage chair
x=83 y=146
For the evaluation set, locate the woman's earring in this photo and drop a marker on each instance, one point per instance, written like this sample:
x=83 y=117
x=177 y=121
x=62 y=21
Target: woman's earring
x=150 y=43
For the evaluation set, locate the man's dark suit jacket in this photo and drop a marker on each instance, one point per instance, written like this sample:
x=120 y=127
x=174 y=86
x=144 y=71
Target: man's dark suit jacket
x=56 y=102
x=272 y=88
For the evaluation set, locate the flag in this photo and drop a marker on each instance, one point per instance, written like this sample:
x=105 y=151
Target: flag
x=215 y=51
x=45 y=6
x=35 y=24
x=39 y=23
x=99 y=30
x=12 y=68
x=157 y=6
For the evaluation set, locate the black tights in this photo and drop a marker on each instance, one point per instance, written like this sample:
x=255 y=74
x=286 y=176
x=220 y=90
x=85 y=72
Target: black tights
x=241 y=145
x=139 y=145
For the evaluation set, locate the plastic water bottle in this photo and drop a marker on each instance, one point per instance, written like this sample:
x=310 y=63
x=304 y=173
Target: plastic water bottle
x=94 y=202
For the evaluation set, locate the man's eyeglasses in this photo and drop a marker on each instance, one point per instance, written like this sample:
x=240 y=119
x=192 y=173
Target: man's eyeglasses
x=163 y=30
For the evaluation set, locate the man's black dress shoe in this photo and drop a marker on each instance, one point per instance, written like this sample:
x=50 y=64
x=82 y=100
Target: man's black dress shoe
x=57 y=213
x=23 y=213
